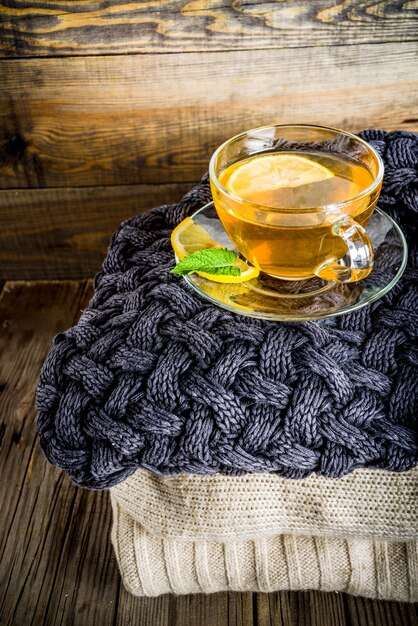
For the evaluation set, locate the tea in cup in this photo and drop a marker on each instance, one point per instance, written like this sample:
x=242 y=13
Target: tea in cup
x=295 y=200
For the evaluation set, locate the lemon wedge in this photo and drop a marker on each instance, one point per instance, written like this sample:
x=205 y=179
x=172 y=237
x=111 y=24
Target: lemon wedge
x=272 y=171
x=189 y=237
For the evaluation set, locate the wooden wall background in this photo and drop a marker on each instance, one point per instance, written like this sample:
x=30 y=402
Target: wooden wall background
x=109 y=108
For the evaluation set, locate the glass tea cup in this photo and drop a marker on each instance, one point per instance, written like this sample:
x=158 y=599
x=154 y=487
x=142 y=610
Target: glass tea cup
x=294 y=200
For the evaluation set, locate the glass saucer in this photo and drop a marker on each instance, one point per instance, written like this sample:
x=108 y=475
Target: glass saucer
x=270 y=298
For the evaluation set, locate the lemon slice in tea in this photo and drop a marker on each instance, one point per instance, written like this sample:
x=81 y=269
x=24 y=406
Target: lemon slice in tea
x=189 y=237
x=267 y=172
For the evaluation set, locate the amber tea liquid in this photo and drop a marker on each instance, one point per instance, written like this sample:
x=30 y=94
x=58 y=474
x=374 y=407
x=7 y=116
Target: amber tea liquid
x=282 y=227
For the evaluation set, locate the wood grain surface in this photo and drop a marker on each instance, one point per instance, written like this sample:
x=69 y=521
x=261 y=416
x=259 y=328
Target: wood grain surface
x=46 y=522
x=32 y=28
x=56 y=562
x=65 y=232
x=157 y=118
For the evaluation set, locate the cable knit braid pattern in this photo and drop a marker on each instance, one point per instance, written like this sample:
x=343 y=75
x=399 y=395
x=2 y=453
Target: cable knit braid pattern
x=154 y=377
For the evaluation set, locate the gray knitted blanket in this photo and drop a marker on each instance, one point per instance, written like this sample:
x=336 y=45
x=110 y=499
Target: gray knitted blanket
x=154 y=377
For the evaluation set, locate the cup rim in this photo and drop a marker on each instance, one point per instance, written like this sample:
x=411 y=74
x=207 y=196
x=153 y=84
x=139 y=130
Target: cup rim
x=327 y=207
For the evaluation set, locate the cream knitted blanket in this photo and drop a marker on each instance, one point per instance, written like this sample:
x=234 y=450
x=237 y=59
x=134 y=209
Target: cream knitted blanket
x=260 y=532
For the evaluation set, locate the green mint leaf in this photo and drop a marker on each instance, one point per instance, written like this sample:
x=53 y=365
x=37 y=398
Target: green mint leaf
x=210 y=261
x=228 y=270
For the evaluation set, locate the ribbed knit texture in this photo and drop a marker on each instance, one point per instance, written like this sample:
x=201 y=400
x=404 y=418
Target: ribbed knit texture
x=154 y=377
x=153 y=559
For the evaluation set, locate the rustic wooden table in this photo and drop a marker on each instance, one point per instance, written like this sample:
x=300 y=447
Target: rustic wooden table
x=56 y=561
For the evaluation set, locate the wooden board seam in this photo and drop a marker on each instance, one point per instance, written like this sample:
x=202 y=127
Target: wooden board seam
x=151 y=53
x=354 y=44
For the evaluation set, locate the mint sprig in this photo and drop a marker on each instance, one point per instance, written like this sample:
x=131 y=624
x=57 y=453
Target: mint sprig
x=211 y=261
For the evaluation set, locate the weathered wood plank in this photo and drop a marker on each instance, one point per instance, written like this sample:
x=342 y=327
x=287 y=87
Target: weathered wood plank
x=60 y=28
x=87 y=584
x=233 y=609
x=295 y=608
x=64 y=233
x=57 y=565
x=241 y=609
x=157 y=118
x=191 y=610
x=363 y=612
x=56 y=560
x=145 y=611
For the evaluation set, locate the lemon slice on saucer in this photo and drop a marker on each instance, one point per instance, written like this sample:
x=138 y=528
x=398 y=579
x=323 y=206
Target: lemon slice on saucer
x=263 y=173
x=189 y=237
x=247 y=273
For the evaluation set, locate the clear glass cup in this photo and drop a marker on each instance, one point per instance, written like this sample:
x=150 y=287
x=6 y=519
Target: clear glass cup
x=300 y=241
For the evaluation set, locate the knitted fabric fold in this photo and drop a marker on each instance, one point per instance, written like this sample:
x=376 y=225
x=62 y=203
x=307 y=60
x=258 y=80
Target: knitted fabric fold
x=193 y=552
x=154 y=377
x=366 y=504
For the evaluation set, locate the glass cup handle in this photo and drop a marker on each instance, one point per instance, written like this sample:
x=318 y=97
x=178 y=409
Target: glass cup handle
x=357 y=263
